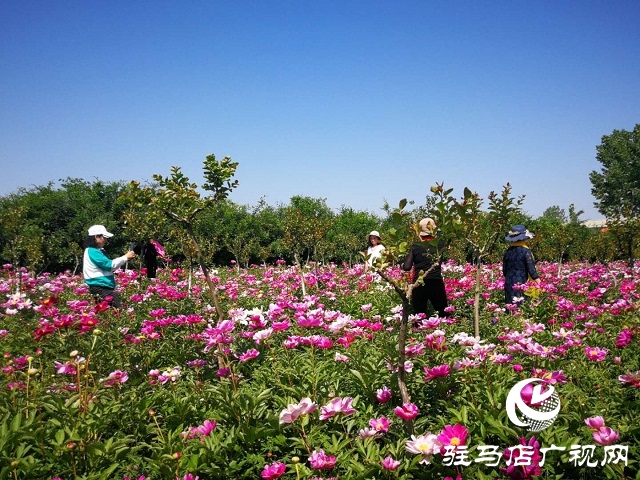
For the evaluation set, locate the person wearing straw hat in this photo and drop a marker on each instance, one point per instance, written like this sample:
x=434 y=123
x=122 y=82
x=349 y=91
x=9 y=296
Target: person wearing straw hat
x=375 y=249
x=424 y=258
x=518 y=265
x=98 y=269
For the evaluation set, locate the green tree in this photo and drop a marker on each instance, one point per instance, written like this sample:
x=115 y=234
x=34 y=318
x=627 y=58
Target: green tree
x=347 y=235
x=181 y=202
x=60 y=216
x=617 y=187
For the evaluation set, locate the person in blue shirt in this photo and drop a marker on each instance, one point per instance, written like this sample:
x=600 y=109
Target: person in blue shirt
x=518 y=265
x=98 y=269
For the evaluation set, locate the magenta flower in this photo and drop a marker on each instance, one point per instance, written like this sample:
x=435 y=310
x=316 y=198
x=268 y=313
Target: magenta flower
x=115 y=378
x=200 y=431
x=249 y=355
x=407 y=412
x=335 y=406
x=624 y=338
x=207 y=427
x=632 y=378
x=320 y=461
x=455 y=435
x=605 y=436
x=383 y=394
x=294 y=410
x=159 y=249
x=425 y=445
x=550 y=378
x=67 y=368
x=390 y=464
x=519 y=470
x=595 y=423
x=275 y=470
x=595 y=354
x=380 y=424
x=435 y=372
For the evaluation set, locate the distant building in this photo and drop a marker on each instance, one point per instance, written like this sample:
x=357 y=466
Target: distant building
x=601 y=223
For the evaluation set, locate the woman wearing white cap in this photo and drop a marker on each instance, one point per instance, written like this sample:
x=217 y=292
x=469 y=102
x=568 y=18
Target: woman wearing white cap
x=98 y=269
x=375 y=249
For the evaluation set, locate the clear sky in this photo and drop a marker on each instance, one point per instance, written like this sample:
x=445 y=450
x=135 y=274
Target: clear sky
x=352 y=101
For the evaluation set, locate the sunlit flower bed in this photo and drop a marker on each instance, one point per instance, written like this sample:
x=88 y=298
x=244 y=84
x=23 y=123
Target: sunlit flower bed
x=299 y=387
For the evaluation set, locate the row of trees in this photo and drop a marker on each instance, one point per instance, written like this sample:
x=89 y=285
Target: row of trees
x=43 y=228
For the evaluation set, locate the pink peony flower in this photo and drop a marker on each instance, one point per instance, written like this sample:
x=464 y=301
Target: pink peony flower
x=116 y=377
x=594 y=423
x=595 y=354
x=530 y=468
x=390 y=464
x=67 y=368
x=605 y=436
x=275 y=470
x=320 y=461
x=435 y=372
x=425 y=445
x=207 y=427
x=335 y=406
x=294 y=410
x=383 y=394
x=249 y=355
x=455 y=435
x=380 y=424
x=624 y=338
x=632 y=378
x=407 y=412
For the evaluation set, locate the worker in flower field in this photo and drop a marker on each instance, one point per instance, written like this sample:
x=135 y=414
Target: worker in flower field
x=518 y=265
x=424 y=257
x=375 y=248
x=149 y=251
x=98 y=269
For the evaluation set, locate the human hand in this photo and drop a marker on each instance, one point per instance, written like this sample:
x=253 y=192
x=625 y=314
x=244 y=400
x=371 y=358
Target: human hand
x=130 y=254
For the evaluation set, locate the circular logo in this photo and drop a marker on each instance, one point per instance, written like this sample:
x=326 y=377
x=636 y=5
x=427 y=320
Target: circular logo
x=538 y=408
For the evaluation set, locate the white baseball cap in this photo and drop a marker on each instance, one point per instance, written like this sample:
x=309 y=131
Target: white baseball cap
x=99 y=230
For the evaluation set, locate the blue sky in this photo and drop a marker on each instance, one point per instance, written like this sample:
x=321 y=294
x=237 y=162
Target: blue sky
x=357 y=102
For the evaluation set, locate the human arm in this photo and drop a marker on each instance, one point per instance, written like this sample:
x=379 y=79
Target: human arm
x=408 y=262
x=531 y=266
x=100 y=260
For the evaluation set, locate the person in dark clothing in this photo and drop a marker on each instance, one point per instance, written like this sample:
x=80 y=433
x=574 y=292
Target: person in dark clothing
x=149 y=256
x=424 y=257
x=518 y=265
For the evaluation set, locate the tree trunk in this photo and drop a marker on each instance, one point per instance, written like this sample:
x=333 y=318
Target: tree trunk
x=476 y=302
x=205 y=271
x=304 y=291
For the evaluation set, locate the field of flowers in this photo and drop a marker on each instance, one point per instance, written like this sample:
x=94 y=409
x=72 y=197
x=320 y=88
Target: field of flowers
x=295 y=387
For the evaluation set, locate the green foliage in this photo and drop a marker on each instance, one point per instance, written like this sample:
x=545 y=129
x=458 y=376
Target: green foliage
x=305 y=223
x=617 y=187
x=78 y=426
x=44 y=228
